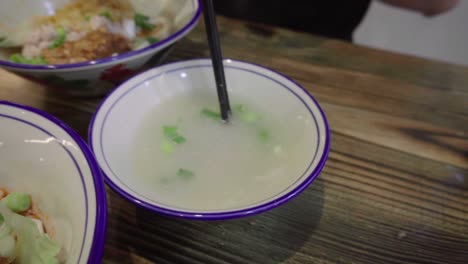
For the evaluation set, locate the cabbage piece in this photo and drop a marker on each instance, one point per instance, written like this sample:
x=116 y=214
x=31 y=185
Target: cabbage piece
x=17 y=202
x=32 y=247
x=7 y=241
x=61 y=37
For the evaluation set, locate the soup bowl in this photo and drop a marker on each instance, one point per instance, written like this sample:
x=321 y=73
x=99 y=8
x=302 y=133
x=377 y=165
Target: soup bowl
x=41 y=156
x=123 y=140
x=96 y=77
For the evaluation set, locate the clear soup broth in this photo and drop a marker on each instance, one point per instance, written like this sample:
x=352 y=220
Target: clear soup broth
x=189 y=159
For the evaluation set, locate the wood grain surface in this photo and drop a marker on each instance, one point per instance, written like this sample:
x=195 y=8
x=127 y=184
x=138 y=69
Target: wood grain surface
x=395 y=188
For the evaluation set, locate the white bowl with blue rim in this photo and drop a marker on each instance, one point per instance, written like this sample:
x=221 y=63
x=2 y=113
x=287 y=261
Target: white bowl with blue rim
x=98 y=77
x=117 y=125
x=43 y=157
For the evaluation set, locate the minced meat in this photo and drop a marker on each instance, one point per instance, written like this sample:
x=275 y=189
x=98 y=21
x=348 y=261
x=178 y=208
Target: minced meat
x=94 y=45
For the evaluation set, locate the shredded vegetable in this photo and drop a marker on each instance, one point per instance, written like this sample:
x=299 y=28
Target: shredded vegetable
x=142 y=22
x=152 y=40
x=31 y=246
x=18 y=58
x=106 y=14
x=61 y=37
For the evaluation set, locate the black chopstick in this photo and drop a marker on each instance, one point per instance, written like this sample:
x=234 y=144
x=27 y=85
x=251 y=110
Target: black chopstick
x=217 y=58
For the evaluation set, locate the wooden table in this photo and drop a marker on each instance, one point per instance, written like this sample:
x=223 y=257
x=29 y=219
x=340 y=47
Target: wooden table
x=395 y=188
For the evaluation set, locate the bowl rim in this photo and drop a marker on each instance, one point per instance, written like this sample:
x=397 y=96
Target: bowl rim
x=97 y=246
x=229 y=214
x=161 y=44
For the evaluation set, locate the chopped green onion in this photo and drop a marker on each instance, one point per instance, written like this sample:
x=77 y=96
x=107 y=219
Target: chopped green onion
x=170 y=132
x=250 y=117
x=18 y=58
x=106 y=14
x=179 y=140
x=142 y=21
x=152 y=40
x=245 y=114
x=167 y=147
x=87 y=17
x=211 y=114
x=264 y=135
x=61 y=36
x=185 y=174
x=2 y=39
x=17 y=202
x=2 y=219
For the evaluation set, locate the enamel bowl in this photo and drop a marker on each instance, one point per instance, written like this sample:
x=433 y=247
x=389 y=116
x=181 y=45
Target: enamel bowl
x=93 y=78
x=116 y=124
x=41 y=156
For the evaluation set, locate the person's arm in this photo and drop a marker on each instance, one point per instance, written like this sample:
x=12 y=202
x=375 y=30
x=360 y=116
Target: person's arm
x=427 y=7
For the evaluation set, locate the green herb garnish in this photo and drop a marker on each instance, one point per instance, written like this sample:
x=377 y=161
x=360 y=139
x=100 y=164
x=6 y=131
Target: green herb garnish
x=152 y=40
x=185 y=174
x=250 y=117
x=264 y=135
x=167 y=147
x=172 y=138
x=18 y=58
x=211 y=114
x=142 y=22
x=179 y=140
x=170 y=132
x=246 y=115
x=106 y=14
x=87 y=17
x=61 y=36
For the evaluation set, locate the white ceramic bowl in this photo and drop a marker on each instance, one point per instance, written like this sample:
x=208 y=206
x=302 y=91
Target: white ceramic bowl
x=97 y=77
x=116 y=124
x=43 y=157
